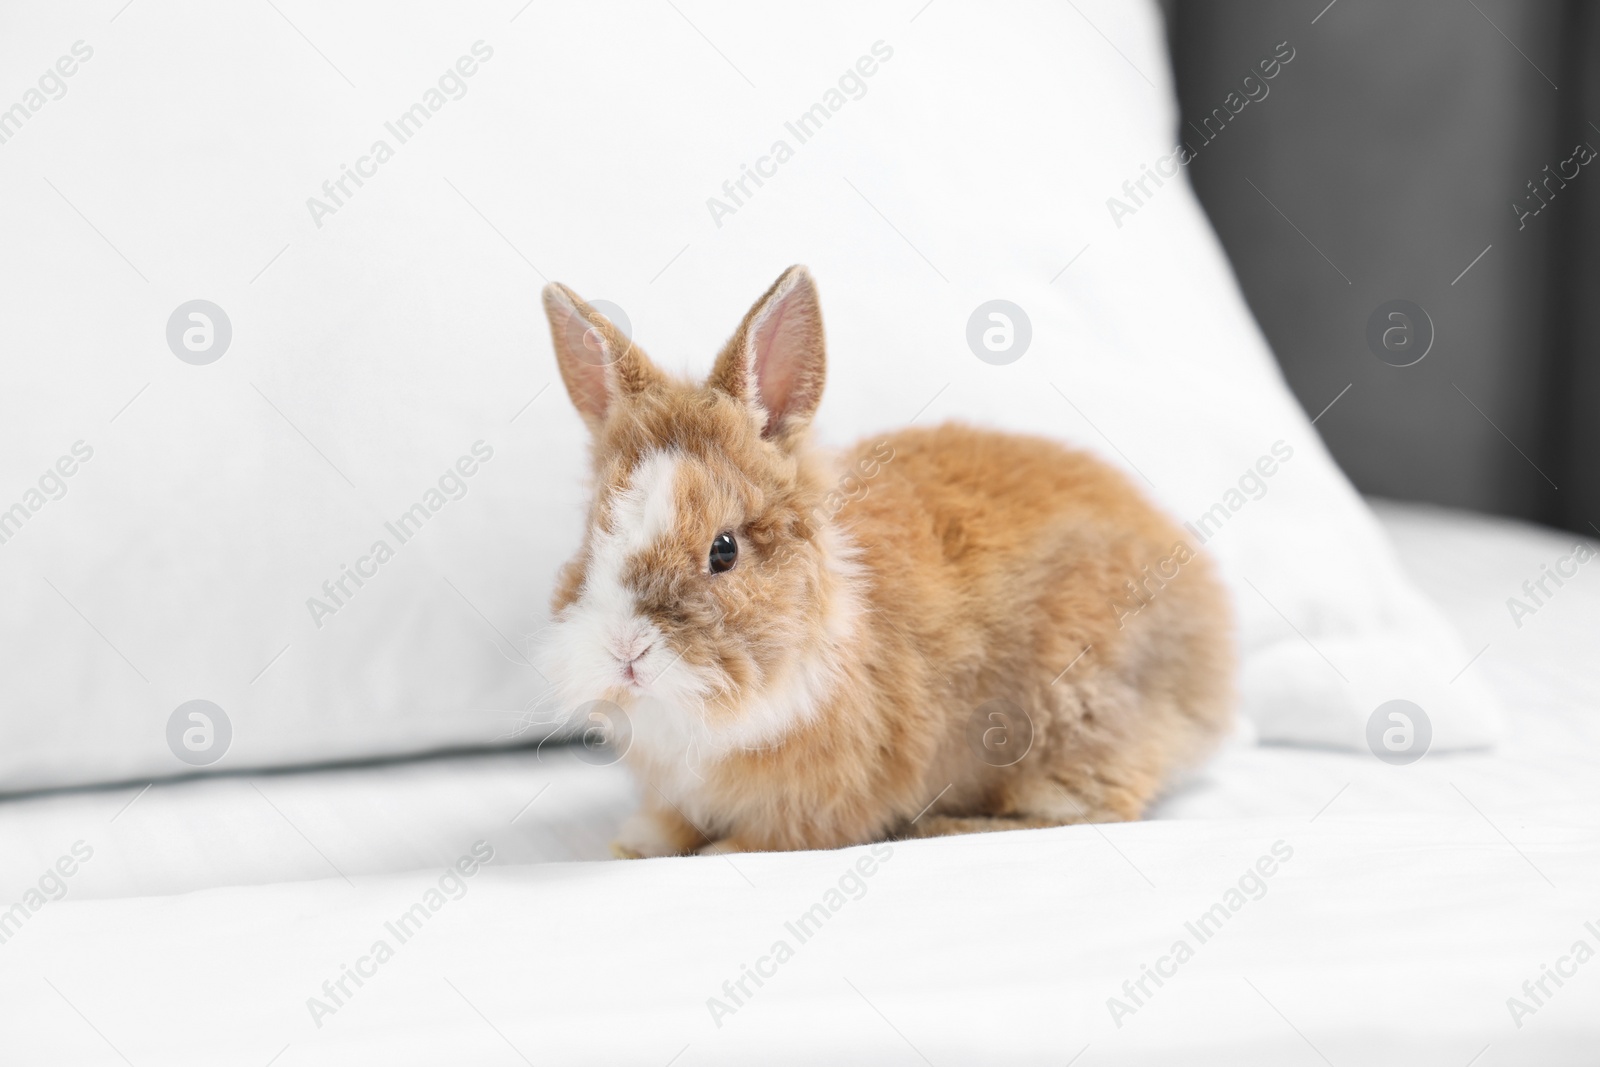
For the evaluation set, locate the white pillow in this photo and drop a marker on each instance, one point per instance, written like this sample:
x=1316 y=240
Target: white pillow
x=386 y=338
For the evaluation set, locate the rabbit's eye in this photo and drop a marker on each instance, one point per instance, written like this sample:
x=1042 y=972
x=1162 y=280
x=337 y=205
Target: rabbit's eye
x=724 y=550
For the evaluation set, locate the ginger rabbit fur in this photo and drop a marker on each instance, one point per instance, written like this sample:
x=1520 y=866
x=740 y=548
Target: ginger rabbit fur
x=940 y=630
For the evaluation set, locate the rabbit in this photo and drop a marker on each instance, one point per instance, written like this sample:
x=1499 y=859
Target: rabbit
x=938 y=631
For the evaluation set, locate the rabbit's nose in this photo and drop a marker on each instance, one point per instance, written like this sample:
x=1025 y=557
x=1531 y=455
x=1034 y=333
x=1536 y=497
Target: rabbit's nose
x=628 y=661
x=629 y=647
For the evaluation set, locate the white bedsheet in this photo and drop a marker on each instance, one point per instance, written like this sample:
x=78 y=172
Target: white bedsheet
x=1417 y=900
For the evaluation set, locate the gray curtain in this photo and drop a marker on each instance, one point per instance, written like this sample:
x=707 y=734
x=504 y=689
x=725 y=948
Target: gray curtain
x=1423 y=151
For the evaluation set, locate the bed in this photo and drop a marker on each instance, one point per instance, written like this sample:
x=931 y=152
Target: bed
x=1332 y=908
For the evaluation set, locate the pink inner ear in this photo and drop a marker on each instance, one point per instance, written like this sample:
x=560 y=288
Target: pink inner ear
x=589 y=391
x=777 y=361
x=583 y=359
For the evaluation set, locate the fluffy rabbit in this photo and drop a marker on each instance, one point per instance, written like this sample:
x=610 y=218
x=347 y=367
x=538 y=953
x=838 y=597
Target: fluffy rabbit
x=938 y=631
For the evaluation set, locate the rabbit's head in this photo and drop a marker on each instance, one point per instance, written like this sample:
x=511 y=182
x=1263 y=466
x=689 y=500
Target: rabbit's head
x=709 y=582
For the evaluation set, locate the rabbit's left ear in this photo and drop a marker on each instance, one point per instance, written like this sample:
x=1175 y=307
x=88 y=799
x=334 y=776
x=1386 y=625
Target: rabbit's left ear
x=598 y=362
x=775 y=362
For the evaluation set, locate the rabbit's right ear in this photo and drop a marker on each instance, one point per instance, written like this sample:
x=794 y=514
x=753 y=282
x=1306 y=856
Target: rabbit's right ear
x=776 y=361
x=598 y=362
